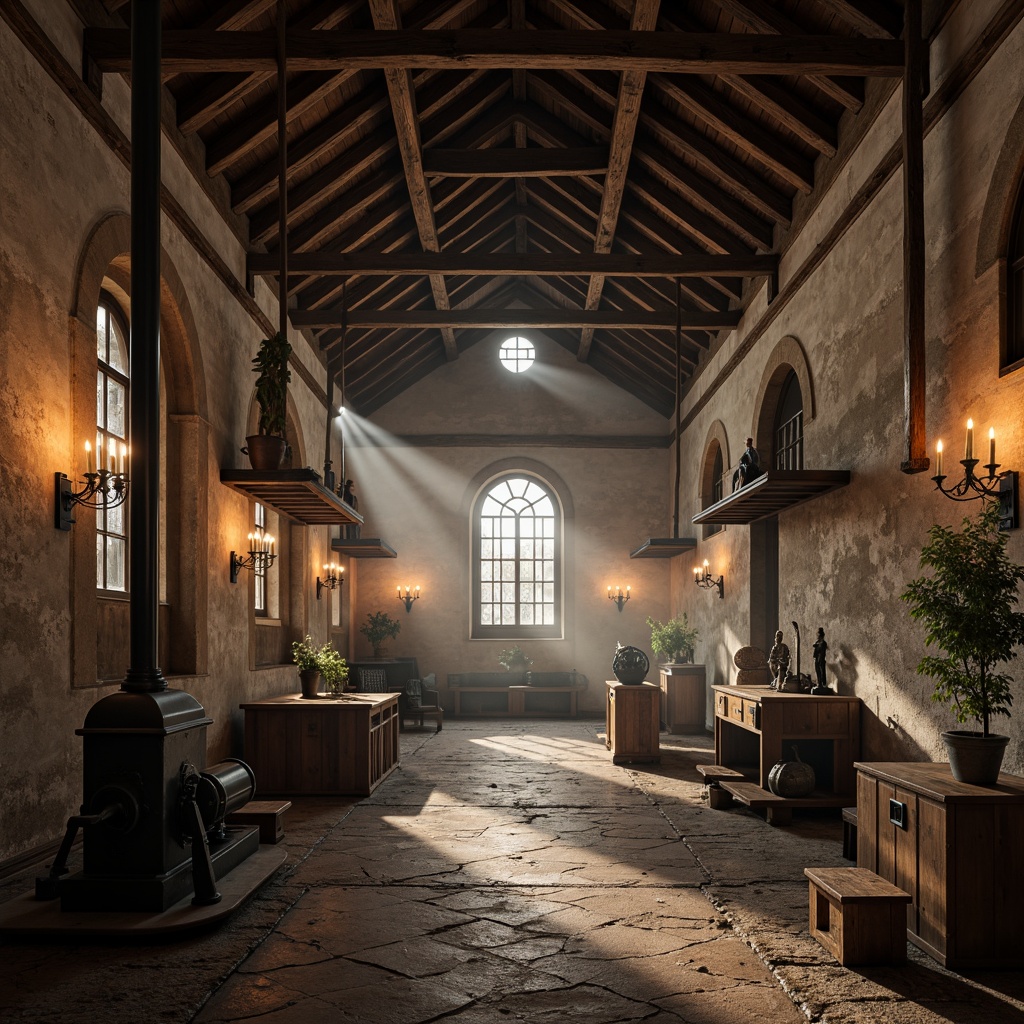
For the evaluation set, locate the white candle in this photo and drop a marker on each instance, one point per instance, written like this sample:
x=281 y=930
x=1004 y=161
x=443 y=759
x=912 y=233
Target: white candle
x=123 y=459
x=969 y=450
x=938 y=459
x=88 y=457
x=991 y=446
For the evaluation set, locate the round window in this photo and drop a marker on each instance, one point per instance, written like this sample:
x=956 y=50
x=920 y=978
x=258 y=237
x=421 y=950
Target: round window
x=517 y=354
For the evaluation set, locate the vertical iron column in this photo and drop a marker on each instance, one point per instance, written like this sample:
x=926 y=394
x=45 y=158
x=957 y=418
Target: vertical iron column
x=915 y=455
x=678 y=399
x=144 y=501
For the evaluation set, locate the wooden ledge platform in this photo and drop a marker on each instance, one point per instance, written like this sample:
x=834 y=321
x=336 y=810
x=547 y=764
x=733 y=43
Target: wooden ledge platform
x=717 y=772
x=27 y=917
x=779 y=809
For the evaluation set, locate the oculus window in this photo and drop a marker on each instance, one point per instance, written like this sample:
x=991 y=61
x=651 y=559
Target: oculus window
x=517 y=354
x=517 y=527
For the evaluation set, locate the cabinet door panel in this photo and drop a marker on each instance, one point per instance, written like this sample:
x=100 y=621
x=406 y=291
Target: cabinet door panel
x=799 y=719
x=930 y=898
x=867 y=822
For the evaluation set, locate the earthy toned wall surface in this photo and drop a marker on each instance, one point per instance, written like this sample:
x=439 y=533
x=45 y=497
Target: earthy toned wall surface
x=845 y=558
x=418 y=499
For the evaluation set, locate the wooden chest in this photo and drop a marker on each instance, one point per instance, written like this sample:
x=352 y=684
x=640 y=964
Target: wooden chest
x=957 y=849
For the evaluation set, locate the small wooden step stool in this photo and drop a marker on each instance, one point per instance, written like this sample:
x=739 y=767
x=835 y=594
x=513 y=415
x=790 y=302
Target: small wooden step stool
x=857 y=916
x=267 y=815
x=718 y=798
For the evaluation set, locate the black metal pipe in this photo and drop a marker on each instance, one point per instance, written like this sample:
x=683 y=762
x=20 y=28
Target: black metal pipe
x=143 y=672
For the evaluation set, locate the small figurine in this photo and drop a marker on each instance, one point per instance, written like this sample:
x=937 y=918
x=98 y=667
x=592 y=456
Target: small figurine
x=819 y=648
x=749 y=467
x=778 y=661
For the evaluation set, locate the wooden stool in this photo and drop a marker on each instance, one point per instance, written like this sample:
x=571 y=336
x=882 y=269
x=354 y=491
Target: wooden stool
x=267 y=815
x=850 y=833
x=719 y=799
x=857 y=916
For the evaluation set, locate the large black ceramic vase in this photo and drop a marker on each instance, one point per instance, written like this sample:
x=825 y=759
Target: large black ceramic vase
x=630 y=665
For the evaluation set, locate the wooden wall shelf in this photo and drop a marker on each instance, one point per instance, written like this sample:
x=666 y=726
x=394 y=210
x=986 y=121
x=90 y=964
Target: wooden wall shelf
x=771 y=494
x=363 y=547
x=664 y=547
x=296 y=494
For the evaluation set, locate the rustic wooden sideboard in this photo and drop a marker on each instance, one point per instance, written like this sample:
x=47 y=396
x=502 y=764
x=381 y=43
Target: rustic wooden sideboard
x=632 y=721
x=331 y=746
x=957 y=849
x=756 y=726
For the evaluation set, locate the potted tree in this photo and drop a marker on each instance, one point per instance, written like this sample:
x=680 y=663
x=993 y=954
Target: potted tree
x=514 y=659
x=379 y=628
x=333 y=669
x=307 y=656
x=673 y=640
x=967 y=606
x=267 y=449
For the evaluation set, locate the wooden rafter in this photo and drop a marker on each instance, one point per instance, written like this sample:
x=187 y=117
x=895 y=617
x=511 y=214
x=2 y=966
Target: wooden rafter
x=503 y=318
x=514 y=163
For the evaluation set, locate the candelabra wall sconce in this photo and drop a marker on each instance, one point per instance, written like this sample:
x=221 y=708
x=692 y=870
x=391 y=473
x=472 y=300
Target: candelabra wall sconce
x=105 y=486
x=411 y=594
x=260 y=558
x=1000 y=486
x=703 y=578
x=619 y=596
x=332 y=579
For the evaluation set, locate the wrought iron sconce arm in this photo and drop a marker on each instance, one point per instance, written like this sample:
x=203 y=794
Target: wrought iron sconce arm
x=332 y=580
x=703 y=578
x=411 y=594
x=103 y=488
x=260 y=558
x=619 y=597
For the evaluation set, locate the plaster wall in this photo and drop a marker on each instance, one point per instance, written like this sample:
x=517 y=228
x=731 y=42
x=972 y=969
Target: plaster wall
x=845 y=558
x=418 y=497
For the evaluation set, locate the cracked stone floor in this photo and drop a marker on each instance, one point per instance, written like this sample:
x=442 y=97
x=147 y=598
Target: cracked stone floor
x=509 y=871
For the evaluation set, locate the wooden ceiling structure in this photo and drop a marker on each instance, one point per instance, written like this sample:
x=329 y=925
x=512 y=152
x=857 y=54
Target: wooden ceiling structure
x=456 y=166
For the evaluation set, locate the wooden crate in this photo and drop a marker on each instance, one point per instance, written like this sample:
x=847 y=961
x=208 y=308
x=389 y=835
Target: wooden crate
x=633 y=722
x=683 y=698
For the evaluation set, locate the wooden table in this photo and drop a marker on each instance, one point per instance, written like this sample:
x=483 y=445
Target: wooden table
x=959 y=852
x=632 y=721
x=346 y=745
x=756 y=726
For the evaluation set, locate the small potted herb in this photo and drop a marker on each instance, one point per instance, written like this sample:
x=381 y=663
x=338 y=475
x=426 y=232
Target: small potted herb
x=379 y=628
x=307 y=656
x=268 y=448
x=967 y=606
x=673 y=640
x=333 y=670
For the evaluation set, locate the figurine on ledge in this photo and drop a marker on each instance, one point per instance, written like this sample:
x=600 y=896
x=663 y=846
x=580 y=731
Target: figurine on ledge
x=778 y=661
x=819 y=648
x=348 y=495
x=749 y=467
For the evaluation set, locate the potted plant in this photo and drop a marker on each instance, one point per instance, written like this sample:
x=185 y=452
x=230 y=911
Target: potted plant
x=673 y=640
x=307 y=656
x=378 y=628
x=514 y=659
x=333 y=669
x=967 y=607
x=267 y=449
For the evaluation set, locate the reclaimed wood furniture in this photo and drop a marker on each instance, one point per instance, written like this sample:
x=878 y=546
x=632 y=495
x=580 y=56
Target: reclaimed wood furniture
x=267 y=815
x=511 y=694
x=632 y=723
x=346 y=746
x=857 y=916
x=957 y=849
x=683 y=698
x=756 y=726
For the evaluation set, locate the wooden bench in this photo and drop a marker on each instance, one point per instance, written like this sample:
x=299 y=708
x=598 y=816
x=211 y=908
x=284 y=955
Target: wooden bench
x=267 y=815
x=857 y=916
x=850 y=833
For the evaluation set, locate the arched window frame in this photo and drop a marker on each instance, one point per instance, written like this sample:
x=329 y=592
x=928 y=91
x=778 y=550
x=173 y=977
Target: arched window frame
x=788 y=430
x=111 y=379
x=481 y=558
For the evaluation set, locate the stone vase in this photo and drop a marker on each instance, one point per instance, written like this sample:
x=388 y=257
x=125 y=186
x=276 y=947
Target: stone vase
x=973 y=757
x=310 y=679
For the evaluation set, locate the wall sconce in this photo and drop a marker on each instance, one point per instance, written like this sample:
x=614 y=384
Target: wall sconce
x=619 y=597
x=1002 y=486
x=703 y=578
x=411 y=594
x=333 y=578
x=106 y=486
x=260 y=558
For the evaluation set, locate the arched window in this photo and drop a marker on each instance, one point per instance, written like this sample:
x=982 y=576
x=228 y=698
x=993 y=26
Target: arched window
x=517 y=542
x=715 y=489
x=112 y=390
x=1012 y=354
x=789 y=425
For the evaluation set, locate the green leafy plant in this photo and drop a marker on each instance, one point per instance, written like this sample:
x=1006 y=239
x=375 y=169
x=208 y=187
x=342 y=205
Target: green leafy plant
x=514 y=656
x=271 y=363
x=967 y=607
x=333 y=669
x=378 y=627
x=674 y=639
x=306 y=654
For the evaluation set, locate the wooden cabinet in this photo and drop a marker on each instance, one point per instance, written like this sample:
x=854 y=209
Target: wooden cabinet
x=756 y=726
x=683 y=698
x=957 y=849
x=632 y=721
x=329 y=746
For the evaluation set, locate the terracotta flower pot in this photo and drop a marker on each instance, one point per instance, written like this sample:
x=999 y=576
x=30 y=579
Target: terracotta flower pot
x=265 y=451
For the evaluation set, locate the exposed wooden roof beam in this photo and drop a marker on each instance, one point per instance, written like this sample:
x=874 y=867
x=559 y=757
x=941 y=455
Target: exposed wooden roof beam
x=511 y=318
x=468 y=264
x=514 y=163
x=627 y=114
x=869 y=17
x=407 y=129
x=188 y=51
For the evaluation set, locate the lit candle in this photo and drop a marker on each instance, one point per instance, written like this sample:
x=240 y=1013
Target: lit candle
x=123 y=459
x=112 y=454
x=696 y=571
x=270 y=544
x=707 y=569
x=88 y=458
x=938 y=459
x=628 y=590
x=969 y=451
x=417 y=591
x=399 y=591
x=991 y=446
